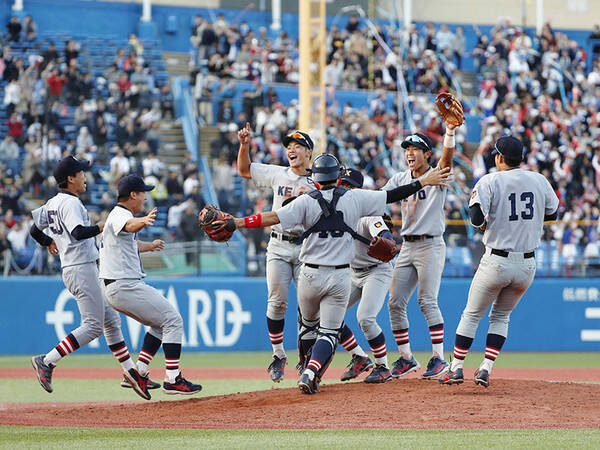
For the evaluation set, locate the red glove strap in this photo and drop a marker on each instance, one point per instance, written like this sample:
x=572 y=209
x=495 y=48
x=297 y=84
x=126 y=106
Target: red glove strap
x=253 y=221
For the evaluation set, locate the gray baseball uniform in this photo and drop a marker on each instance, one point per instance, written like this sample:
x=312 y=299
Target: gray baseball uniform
x=371 y=278
x=121 y=271
x=324 y=289
x=421 y=258
x=283 y=264
x=514 y=203
x=60 y=216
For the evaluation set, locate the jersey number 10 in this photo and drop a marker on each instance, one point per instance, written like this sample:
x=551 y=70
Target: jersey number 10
x=527 y=214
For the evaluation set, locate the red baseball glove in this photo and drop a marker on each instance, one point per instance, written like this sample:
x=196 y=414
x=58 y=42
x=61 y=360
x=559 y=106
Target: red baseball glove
x=217 y=232
x=382 y=249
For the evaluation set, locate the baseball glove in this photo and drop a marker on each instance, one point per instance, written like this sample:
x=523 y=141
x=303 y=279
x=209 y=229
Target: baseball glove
x=450 y=109
x=216 y=232
x=382 y=249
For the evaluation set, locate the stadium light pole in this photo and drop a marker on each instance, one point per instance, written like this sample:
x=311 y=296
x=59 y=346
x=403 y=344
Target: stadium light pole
x=146 y=11
x=539 y=16
x=276 y=15
x=306 y=90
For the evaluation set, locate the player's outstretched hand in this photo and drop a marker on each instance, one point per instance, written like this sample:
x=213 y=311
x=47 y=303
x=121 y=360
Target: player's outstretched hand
x=437 y=177
x=245 y=134
x=53 y=249
x=158 y=245
x=150 y=218
x=101 y=226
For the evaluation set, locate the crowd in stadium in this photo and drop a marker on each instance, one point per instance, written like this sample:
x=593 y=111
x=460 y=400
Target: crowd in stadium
x=55 y=104
x=538 y=88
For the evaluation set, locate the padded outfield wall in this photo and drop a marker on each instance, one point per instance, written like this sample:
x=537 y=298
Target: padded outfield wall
x=228 y=314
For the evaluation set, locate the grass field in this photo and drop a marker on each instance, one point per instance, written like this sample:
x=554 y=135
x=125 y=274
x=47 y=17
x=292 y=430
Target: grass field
x=27 y=390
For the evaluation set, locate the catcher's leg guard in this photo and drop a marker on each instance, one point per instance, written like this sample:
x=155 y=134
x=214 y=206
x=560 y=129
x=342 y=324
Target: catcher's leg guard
x=306 y=339
x=323 y=351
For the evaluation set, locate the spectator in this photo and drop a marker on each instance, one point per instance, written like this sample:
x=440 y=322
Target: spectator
x=9 y=154
x=459 y=46
x=190 y=182
x=12 y=95
x=55 y=82
x=14 y=29
x=152 y=165
x=29 y=29
x=166 y=102
x=188 y=229
x=174 y=187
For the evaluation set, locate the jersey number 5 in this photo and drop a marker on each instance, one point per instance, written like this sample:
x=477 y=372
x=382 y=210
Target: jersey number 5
x=53 y=222
x=527 y=198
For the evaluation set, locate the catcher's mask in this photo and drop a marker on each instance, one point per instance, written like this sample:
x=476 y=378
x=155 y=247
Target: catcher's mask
x=418 y=140
x=325 y=168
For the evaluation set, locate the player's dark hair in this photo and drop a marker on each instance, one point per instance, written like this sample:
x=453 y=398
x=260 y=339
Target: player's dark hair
x=123 y=198
x=63 y=184
x=512 y=162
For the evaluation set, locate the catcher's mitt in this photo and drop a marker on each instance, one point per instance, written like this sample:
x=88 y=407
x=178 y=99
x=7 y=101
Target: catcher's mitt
x=450 y=109
x=216 y=232
x=382 y=249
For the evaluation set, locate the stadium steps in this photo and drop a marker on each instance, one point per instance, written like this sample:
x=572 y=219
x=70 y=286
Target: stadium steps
x=469 y=82
x=172 y=143
x=177 y=64
x=205 y=136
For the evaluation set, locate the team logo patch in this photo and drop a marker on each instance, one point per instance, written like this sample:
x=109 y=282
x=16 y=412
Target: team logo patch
x=378 y=225
x=474 y=194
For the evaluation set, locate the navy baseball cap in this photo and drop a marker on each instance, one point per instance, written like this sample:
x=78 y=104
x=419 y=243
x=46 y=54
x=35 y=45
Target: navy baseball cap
x=353 y=177
x=132 y=183
x=68 y=167
x=300 y=137
x=510 y=147
x=418 y=140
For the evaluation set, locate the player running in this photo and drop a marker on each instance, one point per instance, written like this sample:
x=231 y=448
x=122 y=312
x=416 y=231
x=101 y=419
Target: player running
x=71 y=235
x=283 y=264
x=511 y=206
x=329 y=216
x=422 y=256
x=121 y=272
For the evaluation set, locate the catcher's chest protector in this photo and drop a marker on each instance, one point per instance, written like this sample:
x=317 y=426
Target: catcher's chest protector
x=331 y=220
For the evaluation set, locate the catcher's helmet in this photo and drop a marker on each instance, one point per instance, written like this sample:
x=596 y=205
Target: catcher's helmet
x=325 y=168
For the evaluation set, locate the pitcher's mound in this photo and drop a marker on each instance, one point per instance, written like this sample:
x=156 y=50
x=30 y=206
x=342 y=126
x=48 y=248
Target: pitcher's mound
x=395 y=404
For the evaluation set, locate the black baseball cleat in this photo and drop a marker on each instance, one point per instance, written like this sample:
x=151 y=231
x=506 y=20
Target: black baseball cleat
x=138 y=383
x=43 y=371
x=151 y=384
x=380 y=374
x=452 y=377
x=276 y=368
x=181 y=386
x=308 y=386
x=482 y=377
x=357 y=365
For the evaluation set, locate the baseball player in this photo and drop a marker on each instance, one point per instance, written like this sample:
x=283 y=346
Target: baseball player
x=510 y=205
x=121 y=272
x=329 y=216
x=283 y=264
x=371 y=279
x=422 y=256
x=72 y=237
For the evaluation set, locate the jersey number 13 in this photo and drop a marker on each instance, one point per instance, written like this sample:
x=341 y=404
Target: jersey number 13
x=527 y=200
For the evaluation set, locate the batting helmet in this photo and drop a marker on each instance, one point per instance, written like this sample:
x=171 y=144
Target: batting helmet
x=325 y=168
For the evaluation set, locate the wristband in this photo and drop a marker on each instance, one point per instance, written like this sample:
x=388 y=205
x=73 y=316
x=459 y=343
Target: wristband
x=253 y=221
x=449 y=141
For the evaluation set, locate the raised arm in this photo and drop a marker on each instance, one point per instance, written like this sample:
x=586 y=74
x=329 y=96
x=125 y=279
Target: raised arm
x=243 y=158
x=448 y=147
